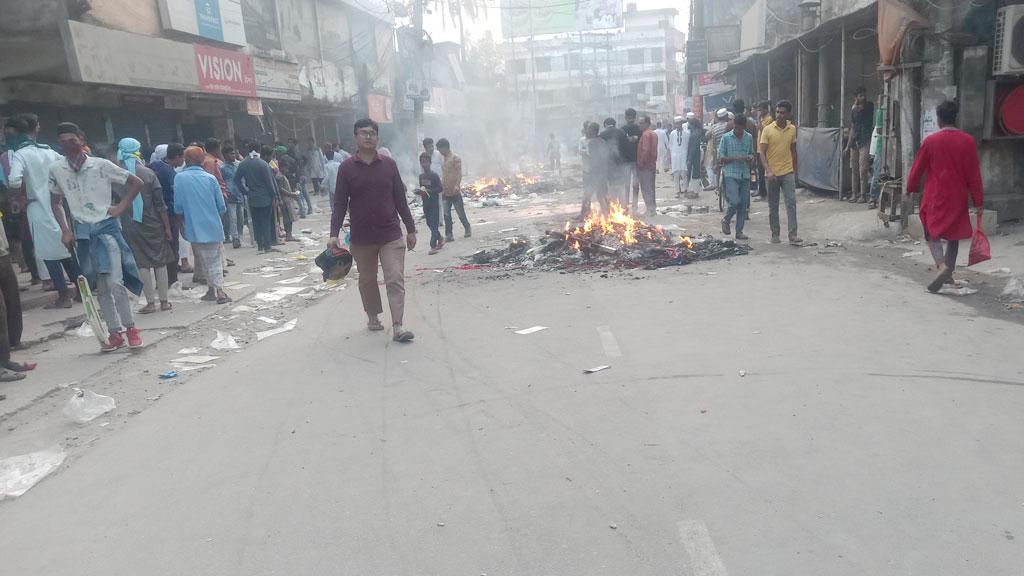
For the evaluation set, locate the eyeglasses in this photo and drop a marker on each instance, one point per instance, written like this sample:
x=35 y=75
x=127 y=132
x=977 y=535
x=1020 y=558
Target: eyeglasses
x=366 y=133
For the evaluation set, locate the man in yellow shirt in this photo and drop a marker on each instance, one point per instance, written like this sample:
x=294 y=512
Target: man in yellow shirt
x=778 y=156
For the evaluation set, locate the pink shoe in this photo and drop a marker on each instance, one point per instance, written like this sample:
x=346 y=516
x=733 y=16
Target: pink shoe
x=134 y=338
x=114 y=342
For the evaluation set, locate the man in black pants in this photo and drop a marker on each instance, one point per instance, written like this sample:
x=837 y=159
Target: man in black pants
x=10 y=316
x=255 y=180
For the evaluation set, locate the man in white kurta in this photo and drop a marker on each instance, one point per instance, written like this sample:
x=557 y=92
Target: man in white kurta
x=664 y=154
x=30 y=166
x=678 y=142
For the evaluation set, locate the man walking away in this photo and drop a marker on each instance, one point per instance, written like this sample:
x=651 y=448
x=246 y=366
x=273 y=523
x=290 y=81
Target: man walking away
x=430 y=190
x=255 y=180
x=451 y=182
x=164 y=168
x=694 y=166
x=778 y=155
x=146 y=227
x=736 y=154
x=554 y=154
x=647 y=164
x=235 y=202
x=198 y=205
x=315 y=162
x=370 y=186
x=331 y=171
x=105 y=258
x=30 y=167
x=628 y=151
x=598 y=160
x=949 y=158
x=679 y=148
x=862 y=122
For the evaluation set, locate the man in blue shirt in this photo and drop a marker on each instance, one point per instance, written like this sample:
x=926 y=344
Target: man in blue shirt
x=236 y=215
x=198 y=205
x=736 y=156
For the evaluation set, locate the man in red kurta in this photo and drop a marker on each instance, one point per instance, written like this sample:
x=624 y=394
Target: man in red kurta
x=950 y=159
x=647 y=164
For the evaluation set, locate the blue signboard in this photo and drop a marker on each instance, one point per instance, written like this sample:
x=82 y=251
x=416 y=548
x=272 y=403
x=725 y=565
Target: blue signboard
x=208 y=19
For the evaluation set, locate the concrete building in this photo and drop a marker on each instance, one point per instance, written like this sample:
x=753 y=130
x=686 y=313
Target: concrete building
x=165 y=70
x=561 y=80
x=817 y=53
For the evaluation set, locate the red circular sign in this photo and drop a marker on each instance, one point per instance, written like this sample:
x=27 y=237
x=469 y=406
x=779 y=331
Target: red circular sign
x=1012 y=112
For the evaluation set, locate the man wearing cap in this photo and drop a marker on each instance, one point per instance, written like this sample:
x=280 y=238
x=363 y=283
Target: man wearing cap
x=720 y=127
x=104 y=256
x=664 y=156
x=679 y=147
x=694 y=167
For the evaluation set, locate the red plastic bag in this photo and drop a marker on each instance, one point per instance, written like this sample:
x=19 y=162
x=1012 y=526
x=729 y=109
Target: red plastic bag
x=980 y=248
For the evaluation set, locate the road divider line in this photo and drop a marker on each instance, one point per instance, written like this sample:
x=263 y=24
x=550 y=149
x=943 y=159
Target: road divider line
x=704 y=559
x=608 y=341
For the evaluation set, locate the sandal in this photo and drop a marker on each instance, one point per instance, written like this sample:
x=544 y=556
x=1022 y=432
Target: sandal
x=165 y=306
x=403 y=336
x=20 y=366
x=375 y=326
x=149 y=308
x=8 y=376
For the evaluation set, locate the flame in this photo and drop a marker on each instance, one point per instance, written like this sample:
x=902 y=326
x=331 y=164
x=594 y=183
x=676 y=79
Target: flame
x=685 y=241
x=617 y=224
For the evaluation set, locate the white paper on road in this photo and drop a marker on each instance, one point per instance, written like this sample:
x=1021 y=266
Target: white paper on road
x=188 y=351
x=267 y=320
x=195 y=359
x=241 y=308
x=293 y=280
x=961 y=291
x=531 y=330
x=289 y=290
x=195 y=367
x=286 y=327
x=224 y=341
x=608 y=342
x=596 y=369
x=84 y=331
x=20 y=473
x=268 y=297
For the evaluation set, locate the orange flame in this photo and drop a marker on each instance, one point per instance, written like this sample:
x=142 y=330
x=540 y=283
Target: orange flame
x=617 y=224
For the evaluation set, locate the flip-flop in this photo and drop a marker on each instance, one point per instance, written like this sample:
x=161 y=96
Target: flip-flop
x=8 y=376
x=20 y=366
x=944 y=275
x=403 y=336
x=374 y=327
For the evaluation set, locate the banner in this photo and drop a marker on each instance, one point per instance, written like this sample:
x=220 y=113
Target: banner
x=712 y=83
x=224 y=72
x=219 y=20
x=522 y=18
x=379 y=108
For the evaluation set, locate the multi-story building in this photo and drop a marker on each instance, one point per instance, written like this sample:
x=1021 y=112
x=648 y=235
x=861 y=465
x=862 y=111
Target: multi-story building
x=560 y=81
x=184 y=70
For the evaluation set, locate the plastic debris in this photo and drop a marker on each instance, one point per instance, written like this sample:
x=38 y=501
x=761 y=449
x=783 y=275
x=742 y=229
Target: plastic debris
x=195 y=359
x=286 y=327
x=961 y=291
x=243 y=308
x=169 y=374
x=267 y=320
x=268 y=297
x=86 y=405
x=1000 y=271
x=188 y=351
x=531 y=330
x=596 y=369
x=224 y=341
x=913 y=253
x=85 y=331
x=20 y=473
x=743 y=373
x=292 y=280
x=1014 y=291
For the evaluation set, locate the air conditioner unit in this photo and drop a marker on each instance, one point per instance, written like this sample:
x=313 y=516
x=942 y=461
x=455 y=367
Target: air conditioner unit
x=1009 y=41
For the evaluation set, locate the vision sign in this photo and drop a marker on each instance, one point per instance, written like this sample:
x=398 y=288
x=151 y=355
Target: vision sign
x=224 y=71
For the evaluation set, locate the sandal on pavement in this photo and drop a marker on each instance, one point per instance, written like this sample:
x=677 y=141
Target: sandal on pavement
x=945 y=275
x=19 y=366
x=375 y=326
x=149 y=308
x=403 y=336
x=8 y=376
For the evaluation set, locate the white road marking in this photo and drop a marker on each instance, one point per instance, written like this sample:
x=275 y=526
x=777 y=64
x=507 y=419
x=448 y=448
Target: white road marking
x=704 y=560
x=608 y=341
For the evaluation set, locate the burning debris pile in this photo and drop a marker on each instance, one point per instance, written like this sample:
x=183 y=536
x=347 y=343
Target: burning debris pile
x=518 y=185
x=615 y=240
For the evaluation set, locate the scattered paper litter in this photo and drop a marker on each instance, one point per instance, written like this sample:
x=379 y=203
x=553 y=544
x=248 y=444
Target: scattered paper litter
x=273 y=275
x=596 y=369
x=504 y=230
x=242 y=308
x=188 y=351
x=197 y=367
x=962 y=291
x=20 y=473
x=531 y=330
x=913 y=253
x=195 y=359
x=1000 y=271
x=267 y=320
x=286 y=327
x=224 y=341
x=293 y=280
x=268 y=297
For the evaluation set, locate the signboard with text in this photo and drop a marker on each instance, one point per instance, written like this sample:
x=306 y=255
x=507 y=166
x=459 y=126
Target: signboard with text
x=276 y=79
x=709 y=83
x=219 y=20
x=224 y=71
x=522 y=18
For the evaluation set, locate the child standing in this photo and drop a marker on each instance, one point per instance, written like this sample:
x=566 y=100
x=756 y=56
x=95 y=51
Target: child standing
x=430 y=191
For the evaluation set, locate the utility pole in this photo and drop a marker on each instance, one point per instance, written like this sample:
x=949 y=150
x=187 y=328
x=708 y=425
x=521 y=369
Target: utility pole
x=417 y=102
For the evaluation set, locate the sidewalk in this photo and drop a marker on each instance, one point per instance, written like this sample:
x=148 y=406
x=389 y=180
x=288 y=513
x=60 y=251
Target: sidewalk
x=66 y=358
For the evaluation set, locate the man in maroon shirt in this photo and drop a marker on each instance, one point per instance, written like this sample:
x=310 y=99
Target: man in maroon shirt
x=371 y=191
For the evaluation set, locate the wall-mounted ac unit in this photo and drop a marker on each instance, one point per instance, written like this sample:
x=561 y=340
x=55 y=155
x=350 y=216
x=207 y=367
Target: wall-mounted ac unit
x=1009 y=41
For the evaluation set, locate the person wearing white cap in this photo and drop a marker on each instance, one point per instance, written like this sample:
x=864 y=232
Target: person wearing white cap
x=664 y=155
x=718 y=130
x=695 y=170
x=678 y=145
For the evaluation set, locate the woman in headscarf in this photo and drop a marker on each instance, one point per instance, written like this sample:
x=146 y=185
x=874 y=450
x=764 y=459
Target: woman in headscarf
x=147 y=227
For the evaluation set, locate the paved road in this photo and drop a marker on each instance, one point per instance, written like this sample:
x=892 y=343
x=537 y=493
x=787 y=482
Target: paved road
x=788 y=414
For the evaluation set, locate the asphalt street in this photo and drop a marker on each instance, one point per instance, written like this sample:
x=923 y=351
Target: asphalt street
x=787 y=412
